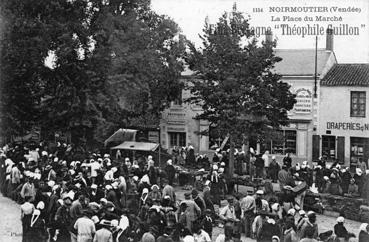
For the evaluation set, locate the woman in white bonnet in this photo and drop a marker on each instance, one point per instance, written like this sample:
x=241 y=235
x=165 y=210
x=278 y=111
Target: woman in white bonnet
x=364 y=235
x=27 y=209
x=37 y=231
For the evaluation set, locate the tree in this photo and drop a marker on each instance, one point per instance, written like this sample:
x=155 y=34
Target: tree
x=146 y=65
x=237 y=88
x=23 y=51
x=98 y=47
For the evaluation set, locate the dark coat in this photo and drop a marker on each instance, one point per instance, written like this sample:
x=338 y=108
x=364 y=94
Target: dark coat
x=363 y=236
x=267 y=231
x=273 y=170
x=38 y=232
x=340 y=230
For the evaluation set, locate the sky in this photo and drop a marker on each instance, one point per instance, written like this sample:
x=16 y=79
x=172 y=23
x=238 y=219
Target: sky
x=345 y=15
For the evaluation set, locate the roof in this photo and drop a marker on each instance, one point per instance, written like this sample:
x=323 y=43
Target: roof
x=347 y=75
x=301 y=62
x=132 y=145
x=121 y=135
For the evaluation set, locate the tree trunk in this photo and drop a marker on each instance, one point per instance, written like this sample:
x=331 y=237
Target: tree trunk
x=246 y=149
x=231 y=157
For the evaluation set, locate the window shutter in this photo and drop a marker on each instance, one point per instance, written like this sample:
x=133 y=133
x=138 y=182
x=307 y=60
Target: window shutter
x=316 y=147
x=366 y=150
x=341 y=149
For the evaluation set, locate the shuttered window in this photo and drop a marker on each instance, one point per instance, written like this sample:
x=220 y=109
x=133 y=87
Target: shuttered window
x=358 y=103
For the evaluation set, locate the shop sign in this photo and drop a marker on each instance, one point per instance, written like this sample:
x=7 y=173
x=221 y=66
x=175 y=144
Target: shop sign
x=153 y=136
x=303 y=101
x=176 y=129
x=176 y=118
x=348 y=126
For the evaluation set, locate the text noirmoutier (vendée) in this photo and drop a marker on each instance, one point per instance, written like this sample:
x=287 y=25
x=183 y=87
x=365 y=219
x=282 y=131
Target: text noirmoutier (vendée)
x=312 y=21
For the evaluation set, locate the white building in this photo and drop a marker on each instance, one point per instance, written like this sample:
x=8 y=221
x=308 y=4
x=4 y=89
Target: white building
x=298 y=69
x=343 y=131
x=178 y=128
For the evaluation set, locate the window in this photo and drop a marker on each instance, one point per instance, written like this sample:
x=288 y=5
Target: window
x=177 y=139
x=281 y=142
x=178 y=99
x=329 y=147
x=358 y=101
x=359 y=150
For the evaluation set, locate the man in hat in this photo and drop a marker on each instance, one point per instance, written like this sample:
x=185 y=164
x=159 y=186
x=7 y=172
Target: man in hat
x=112 y=196
x=200 y=234
x=165 y=237
x=63 y=220
x=51 y=175
x=104 y=234
x=151 y=235
x=193 y=210
x=28 y=188
x=287 y=161
x=269 y=229
x=207 y=196
x=77 y=207
x=248 y=207
x=259 y=165
x=353 y=189
x=273 y=169
x=95 y=193
x=310 y=224
x=95 y=167
x=259 y=195
x=85 y=227
x=199 y=201
x=207 y=222
x=285 y=178
x=15 y=176
x=228 y=215
x=228 y=212
x=65 y=176
x=53 y=207
x=171 y=172
x=110 y=212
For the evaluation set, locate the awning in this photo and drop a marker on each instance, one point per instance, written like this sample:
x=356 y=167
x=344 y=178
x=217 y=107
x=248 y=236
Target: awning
x=132 y=145
x=121 y=135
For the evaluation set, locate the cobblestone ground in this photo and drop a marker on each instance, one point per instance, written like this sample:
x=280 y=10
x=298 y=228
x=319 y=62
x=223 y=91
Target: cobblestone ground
x=11 y=228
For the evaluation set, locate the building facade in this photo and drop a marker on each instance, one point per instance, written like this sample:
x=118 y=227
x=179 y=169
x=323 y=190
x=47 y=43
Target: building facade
x=298 y=70
x=179 y=128
x=343 y=131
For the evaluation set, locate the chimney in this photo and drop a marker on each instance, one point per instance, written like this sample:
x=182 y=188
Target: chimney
x=268 y=36
x=329 y=43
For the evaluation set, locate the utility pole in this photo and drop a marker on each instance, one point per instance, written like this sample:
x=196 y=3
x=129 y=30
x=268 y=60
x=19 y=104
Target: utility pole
x=315 y=71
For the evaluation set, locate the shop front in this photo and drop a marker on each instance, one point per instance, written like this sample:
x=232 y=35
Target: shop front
x=179 y=128
x=343 y=130
x=345 y=142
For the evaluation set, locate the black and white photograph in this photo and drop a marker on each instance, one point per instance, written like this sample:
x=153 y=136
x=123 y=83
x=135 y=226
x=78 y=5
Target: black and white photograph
x=184 y=120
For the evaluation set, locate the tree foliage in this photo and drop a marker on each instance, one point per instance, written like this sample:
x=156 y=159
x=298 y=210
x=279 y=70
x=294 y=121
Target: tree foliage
x=237 y=88
x=98 y=46
x=146 y=58
x=23 y=50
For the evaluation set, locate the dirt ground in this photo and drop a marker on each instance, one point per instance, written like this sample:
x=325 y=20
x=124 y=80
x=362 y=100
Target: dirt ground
x=10 y=223
x=11 y=228
x=325 y=223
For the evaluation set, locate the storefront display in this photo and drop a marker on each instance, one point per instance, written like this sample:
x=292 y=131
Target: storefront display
x=359 y=150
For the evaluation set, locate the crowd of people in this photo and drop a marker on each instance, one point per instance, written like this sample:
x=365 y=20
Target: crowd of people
x=103 y=199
